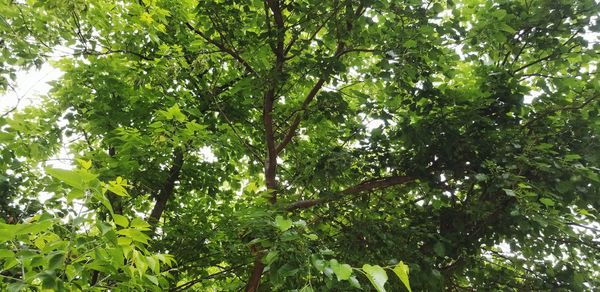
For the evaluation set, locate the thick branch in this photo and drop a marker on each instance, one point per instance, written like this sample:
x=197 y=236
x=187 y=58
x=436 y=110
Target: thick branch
x=275 y=7
x=257 y=271
x=291 y=132
x=269 y=99
x=271 y=160
x=168 y=188
x=339 y=51
x=366 y=186
x=296 y=122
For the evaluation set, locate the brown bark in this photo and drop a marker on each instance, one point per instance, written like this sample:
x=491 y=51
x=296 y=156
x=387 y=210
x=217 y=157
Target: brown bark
x=271 y=156
x=366 y=186
x=168 y=187
x=257 y=270
x=274 y=7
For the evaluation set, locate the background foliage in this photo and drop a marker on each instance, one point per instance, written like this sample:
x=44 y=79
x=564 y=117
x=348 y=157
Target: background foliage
x=303 y=145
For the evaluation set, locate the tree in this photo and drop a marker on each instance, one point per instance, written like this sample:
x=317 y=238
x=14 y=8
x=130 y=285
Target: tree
x=311 y=145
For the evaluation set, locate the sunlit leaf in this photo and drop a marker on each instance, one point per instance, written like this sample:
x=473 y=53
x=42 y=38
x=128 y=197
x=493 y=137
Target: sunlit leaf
x=376 y=275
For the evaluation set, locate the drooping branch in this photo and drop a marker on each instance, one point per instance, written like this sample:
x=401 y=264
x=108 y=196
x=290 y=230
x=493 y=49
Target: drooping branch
x=366 y=186
x=168 y=187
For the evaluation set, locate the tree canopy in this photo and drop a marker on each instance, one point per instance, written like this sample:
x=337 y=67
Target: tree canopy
x=300 y=145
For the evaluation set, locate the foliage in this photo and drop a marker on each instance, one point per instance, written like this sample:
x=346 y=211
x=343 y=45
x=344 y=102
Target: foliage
x=303 y=145
x=75 y=252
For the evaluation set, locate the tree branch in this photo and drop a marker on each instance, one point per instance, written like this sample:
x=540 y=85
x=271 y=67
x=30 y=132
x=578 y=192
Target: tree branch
x=339 y=51
x=551 y=111
x=550 y=56
x=296 y=122
x=269 y=99
x=168 y=188
x=223 y=48
x=366 y=186
x=189 y=284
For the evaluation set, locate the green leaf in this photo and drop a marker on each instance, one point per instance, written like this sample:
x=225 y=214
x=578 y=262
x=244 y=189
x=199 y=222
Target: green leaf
x=507 y=28
x=376 y=275
x=86 y=164
x=410 y=44
x=283 y=224
x=175 y=113
x=75 y=178
x=71 y=272
x=56 y=261
x=117 y=188
x=509 y=192
x=134 y=234
x=33 y=228
x=16 y=287
x=104 y=201
x=317 y=263
x=342 y=271
x=307 y=289
x=547 y=201
x=354 y=282
x=140 y=224
x=75 y=194
x=5 y=253
x=121 y=220
x=7 y=232
x=572 y=157
x=271 y=257
x=499 y=13
x=401 y=270
x=9 y=263
x=152 y=279
x=48 y=280
x=311 y=236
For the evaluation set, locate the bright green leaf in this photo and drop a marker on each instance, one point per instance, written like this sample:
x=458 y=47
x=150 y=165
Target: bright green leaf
x=342 y=271
x=401 y=270
x=121 y=220
x=376 y=275
x=547 y=201
x=74 y=178
x=283 y=224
